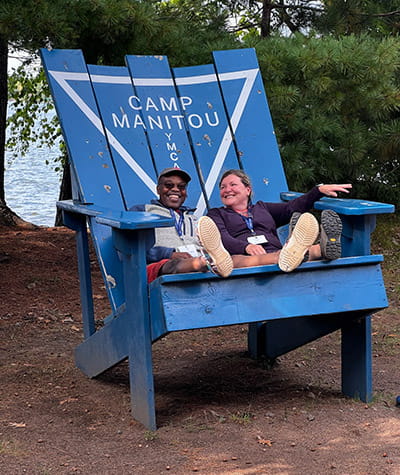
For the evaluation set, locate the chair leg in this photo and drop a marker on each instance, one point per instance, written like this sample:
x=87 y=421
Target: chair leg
x=133 y=252
x=357 y=359
x=256 y=340
x=78 y=223
x=141 y=380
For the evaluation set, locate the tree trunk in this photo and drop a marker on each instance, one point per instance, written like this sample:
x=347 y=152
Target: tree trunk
x=7 y=216
x=266 y=19
x=65 y=191
x=3 y=109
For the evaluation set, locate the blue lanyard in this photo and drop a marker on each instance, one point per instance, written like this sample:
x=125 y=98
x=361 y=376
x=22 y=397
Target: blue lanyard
x=249 y=222
x=179 y=223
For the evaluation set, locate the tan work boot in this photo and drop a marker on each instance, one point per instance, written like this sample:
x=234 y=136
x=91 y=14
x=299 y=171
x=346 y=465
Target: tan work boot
x=210 y=238
x=302 y=238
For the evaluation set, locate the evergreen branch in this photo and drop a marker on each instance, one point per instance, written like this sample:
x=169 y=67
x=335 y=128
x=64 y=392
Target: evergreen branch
x=297 y=7
x=395 y=12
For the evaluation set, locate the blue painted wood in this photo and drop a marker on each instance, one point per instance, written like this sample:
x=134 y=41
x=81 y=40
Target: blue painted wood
x=105 y=348
x=357 y=359
x=162 y=117
x=118 y=219
x=78 y=224
x=274 y=338
x=125 y=133
x=311 y=265
x=237 y=301
x=356 y=236
x=347 y=206
x=133 y=251
x=122 y=126
x=247 y=107
x=79 y=118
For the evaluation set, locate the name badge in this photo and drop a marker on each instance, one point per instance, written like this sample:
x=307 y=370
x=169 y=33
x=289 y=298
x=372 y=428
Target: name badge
x=260 y=239
x=190 y=248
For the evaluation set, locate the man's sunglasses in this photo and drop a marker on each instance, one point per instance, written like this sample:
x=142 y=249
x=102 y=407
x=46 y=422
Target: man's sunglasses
x=169 y=186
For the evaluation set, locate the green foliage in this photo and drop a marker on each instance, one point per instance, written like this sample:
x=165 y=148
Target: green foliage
x=27 y=24
x=335 y=105
x=33 y=119
x=344 y=17
x=193 y=29
x=333 y=17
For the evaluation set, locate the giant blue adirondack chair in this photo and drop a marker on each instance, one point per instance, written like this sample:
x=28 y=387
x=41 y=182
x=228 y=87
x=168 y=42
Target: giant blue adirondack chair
x=123 y=125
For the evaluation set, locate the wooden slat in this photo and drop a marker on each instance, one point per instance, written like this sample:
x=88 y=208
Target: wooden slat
x=247 y=107
x=258 y=297
x=125 y=133
x=82 y=128
x=162 y=117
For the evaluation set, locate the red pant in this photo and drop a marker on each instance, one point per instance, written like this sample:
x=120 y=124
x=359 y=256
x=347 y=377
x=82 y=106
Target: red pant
x=153 y=269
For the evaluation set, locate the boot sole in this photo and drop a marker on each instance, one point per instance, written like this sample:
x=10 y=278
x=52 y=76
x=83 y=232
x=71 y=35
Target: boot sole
x=210 y=238
x=303 y=237
x=331 y=232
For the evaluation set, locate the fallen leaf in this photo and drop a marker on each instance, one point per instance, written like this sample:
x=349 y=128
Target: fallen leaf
x=262 y=441
x=17 y=424
x=69 y=399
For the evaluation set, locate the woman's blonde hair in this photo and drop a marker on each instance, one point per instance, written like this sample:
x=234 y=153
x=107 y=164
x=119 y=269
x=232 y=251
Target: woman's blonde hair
x=244 y=178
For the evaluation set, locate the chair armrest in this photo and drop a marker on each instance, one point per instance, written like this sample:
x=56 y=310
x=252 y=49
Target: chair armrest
x=345 y=206
x=129 y=220
x=87 y=209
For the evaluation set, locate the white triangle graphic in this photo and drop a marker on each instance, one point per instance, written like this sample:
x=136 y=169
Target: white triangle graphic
x=249 y=76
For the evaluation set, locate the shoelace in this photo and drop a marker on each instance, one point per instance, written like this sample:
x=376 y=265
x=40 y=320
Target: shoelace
x=209 y=261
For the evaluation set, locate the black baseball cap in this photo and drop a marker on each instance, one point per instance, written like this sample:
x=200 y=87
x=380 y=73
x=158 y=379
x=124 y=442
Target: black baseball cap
x=175 y=171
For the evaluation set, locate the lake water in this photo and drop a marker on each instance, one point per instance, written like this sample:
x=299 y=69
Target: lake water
x=32 y=187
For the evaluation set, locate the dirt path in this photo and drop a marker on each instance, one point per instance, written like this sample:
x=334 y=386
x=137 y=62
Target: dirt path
x=219 y=412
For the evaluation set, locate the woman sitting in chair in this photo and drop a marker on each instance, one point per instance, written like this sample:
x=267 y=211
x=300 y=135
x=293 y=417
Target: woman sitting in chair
x=251 y=229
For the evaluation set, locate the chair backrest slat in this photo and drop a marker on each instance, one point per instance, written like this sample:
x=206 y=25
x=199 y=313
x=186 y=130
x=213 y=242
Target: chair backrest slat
x=248 y=110
x=161 y=111
x=126 y=136
x=81 y=125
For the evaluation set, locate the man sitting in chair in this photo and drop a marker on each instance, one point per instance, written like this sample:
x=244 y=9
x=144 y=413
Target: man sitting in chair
x=176 y=249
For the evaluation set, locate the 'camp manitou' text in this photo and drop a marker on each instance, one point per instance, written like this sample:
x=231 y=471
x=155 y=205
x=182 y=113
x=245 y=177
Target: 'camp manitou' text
x=162 y=114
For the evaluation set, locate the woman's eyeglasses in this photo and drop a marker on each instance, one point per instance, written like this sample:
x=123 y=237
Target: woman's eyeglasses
x=180 y=186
